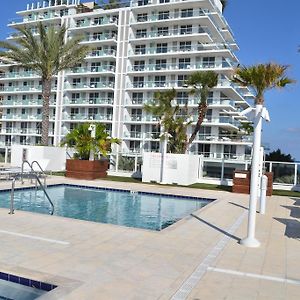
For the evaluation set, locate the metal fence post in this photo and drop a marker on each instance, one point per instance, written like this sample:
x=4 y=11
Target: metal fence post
x=295 y=177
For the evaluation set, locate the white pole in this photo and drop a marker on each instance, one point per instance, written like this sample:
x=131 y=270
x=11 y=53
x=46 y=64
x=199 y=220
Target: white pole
x=163 y=158
x=263 y=193
x=250 y=240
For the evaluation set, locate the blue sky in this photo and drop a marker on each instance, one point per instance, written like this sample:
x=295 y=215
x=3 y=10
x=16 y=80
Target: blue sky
x=265 y=31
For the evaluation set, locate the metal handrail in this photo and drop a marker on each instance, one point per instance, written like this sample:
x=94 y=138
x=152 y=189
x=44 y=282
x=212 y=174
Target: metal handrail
x=43 y=172
x=38 y=180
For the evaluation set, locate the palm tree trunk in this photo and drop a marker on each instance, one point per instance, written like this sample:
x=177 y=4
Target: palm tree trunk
x=202 y=109
x=46 y=93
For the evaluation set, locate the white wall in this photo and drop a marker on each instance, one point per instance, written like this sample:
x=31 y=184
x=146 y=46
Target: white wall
x=180 y=168
x=50 y=158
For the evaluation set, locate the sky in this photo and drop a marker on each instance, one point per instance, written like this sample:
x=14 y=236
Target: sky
x=266 y=31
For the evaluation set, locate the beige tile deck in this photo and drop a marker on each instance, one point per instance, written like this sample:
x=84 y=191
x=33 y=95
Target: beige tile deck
x=104 y=261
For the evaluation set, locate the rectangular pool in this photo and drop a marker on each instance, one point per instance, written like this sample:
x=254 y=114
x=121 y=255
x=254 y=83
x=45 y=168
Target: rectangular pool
x=139 y=209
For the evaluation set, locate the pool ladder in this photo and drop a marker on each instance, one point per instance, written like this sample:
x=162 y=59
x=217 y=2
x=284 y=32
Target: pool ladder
x=37 y=181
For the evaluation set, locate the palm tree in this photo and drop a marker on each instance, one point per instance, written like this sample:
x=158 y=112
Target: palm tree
x=201 y=82
x=260 y=78
x=46 y=53
x=173 y=119
x=81 y=140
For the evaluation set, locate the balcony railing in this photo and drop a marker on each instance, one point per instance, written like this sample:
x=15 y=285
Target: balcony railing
x=18 y=74
x=32 y=102
x=35 y=17
x=171 y=32
x=89 y=101
x=96 y=117
x=37 y=88
x=100 y=37
x=178 y=66
x=225 y=137
x=142 y=135
x=29 y=117
x=98 y=22
x=98 y=69
x=24 y=131
x=96 y=85
x=156 y=84
x=99 y=53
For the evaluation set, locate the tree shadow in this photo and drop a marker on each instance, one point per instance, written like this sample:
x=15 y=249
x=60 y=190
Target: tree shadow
x=295 y=211
x=297 y=201
x=238 y=205
x=216 y=228
x=292 y=229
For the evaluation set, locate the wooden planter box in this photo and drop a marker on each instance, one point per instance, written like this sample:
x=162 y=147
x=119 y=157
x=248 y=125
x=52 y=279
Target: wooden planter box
x=86 y=169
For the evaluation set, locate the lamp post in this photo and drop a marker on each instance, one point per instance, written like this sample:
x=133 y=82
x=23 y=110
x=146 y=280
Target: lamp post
x=256 y=114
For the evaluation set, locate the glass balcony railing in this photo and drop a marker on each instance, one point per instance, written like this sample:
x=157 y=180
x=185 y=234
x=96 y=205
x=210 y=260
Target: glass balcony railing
x=97 y=22
x=142 y=135
x=24 y=131
x=225 y=137
x=36 y=17
x=177 y=66
x=33 y=102
x=99 y=53
x=156 y=84
x=142 y=118
x=161 y=17
x=37 y=88
x=29 y=117
x=98 y=69
x=18 y=74
x=100 y=37
x=96 y=117
x=96 y=85
x=108 y=101
x=171 y=32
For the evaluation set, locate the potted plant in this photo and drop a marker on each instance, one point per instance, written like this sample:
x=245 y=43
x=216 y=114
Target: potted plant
x=91 y=143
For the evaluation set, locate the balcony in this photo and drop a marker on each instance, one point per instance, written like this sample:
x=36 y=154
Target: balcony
x=25 y=117
x=85 y=117
x=101 y=53
x=175 y=33
x=16 y=75
x=226 y=138
x=179 y=66
x=95 y=23
x=24 y=131
x=100 y=38
x=90 y=86
x=100 y=69
x=29 y=102
x=31 y=89
x=50 y=15
x=142 y=118
x=89 y=101
x=142 y=135
x=156 y=84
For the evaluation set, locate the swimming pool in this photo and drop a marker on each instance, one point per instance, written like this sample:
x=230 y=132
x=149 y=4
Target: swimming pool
x=141 y=210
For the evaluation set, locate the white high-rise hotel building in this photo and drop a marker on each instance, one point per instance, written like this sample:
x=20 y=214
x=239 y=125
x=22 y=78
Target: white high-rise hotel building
x=140 y=48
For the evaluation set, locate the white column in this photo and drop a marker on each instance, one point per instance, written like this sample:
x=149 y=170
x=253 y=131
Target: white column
x=250 y=240
x=164 y=145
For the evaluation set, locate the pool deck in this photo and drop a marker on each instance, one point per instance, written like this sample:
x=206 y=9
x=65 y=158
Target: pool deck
x=197 y=258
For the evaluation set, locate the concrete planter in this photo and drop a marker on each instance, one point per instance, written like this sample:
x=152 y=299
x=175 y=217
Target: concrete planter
x=86 y=169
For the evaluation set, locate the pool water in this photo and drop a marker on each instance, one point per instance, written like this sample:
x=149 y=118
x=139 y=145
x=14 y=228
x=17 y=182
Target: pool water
x=14 y=291
x=141 y=210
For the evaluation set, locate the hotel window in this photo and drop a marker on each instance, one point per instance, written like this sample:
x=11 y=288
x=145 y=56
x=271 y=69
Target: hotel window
x=185 y=46
x=182 y=98
x=137 y=98
x=208 y=62
x=162 y=31
x=160 y=64
x=160 y=81
x=76 y=82
x=136 y=131
x=140 y=49
x=184 y=63
x=94 y=82
x=140 y=33
x=98 y=21
x=139 y=65
x=187 y=13
x=135 y=146
x=186 y=29
x=75 y=97
x=92 y=113
x=138 y=82
x=162 y=48
x=204 y=149
x=136 y=114
x=164 y=1
x=93 y=98
x=142 y=17
x=181 y=80
x=154 y=146
x=163 y=15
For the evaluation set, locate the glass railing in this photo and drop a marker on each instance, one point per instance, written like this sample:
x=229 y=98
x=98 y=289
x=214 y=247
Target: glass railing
x=26 y=102
x=89 y=101
x=225 y=137
x=101 y=37
x=24 y=131
x=171 y=32
x=18 y=74
x=35 y=17
x=99 y=53
x=37 y=88
x=142 y=118
x=157 y=84
x=169 y=16
x=91 y=22
x=176 y=66
x=98 y=69
x=142 y=135
x=97 y=85
x=96 y=117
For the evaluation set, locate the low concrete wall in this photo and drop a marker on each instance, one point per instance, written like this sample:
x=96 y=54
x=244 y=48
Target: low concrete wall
x=50 y=158
x=179 y=168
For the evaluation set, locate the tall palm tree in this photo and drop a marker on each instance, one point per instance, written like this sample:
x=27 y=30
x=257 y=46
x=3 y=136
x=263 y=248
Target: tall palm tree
x=260 y=78
x=173 y=119
x=201 y=83
x=46 y=53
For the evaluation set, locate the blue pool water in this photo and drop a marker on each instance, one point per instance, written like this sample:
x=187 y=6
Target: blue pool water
x=150 y=211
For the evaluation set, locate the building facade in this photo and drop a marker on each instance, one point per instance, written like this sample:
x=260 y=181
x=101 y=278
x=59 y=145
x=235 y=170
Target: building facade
x=139 y=48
